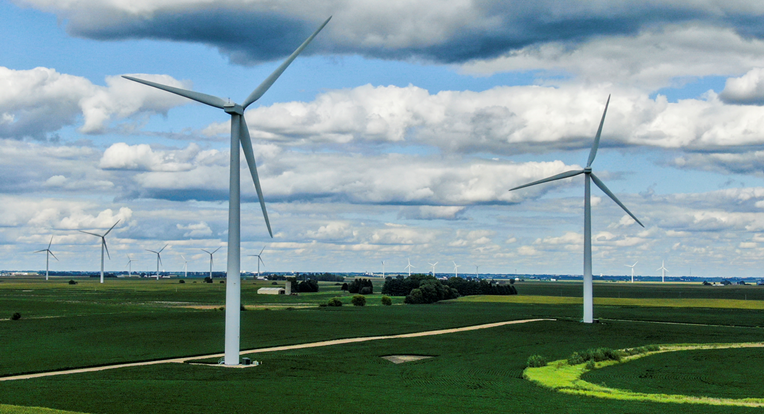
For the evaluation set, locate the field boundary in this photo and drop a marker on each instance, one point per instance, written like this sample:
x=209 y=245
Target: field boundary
x=181 y=360
x=565 y=378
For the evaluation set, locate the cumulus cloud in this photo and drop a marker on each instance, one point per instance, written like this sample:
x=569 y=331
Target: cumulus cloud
x=39 y=101
x=745 y=90
x=142 y=157
x=432 y=213
x=451 y=31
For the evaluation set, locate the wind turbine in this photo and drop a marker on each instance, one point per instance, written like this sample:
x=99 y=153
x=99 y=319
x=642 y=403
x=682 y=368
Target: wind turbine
x=455 y=268
x=48 y=254
x=211 y=260
x=239 y=134
x=103 y=246
x=185 y=266
x=632 y=277
x=587 y=171
x=259 y=259
x=663 y=270
x=383 y=263
x=129 y=265
x=159 y=259
x=409 y=266
x=476 y=272
x=434 y=268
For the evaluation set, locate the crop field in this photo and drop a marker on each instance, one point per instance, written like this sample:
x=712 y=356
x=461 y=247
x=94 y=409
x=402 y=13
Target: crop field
x=88 y=324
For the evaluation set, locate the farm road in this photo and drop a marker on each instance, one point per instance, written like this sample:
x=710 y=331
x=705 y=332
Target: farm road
x=271 y=349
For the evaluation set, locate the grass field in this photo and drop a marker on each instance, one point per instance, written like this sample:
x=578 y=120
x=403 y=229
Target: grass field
x=89 y=324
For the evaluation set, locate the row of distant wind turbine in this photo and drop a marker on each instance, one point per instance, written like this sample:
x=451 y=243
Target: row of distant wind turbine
x=409 y=268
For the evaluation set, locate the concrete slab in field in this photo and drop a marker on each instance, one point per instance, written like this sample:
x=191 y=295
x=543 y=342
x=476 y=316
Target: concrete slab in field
x=399 y=359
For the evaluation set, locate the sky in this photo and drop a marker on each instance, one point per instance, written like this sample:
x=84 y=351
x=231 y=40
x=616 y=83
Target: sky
x=394 y=136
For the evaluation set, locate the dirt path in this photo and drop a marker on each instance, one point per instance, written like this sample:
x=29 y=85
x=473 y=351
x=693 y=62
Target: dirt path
x=270 y=349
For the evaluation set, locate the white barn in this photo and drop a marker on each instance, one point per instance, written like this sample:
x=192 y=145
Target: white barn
x=270 y=291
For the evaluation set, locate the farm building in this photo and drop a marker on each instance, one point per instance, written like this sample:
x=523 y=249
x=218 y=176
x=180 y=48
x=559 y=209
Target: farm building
x=270 y=291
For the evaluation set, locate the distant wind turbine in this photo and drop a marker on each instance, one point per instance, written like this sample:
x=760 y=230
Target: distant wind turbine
x=48 y=254
x=103 y=246
x=434 y=268
x=409 y=266
x=185 y=266
x=588 y=174
x=663 y=270
x=455 y=268
x=383 y=263
x=260 y=260
x=129 y=265
x=632 y=277
x=211 y=259
x=476 y=272
x=159 y=259
x=239 y=134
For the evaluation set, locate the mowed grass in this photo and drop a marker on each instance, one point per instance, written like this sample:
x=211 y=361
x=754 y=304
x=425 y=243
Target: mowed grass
x=477 y=371
x=722 y=373
x=480 y=371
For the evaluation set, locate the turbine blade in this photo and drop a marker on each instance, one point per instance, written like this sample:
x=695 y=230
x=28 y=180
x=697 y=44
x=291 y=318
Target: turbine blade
x=110 y=228
x=196 y=96
x=261 y=261
x=54 y=256
x=608 y=192
x=103 y=240
x=40 y=251
x=244 y=138
x=215 y=250
x=87 y=232
x=261 y=251
x=160 y=250
x=596 y=143
x=263 y=87
x=206 y=251
x=51 y=242
x=560 y=176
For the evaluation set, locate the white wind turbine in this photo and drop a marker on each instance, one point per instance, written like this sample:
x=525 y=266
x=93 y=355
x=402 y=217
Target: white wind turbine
x=48 y=254
x=159 y=259
x=211 y=260
x=476 y=272
x=455 y=268
x=434 y=268
x=409 y=266
x=129 y=265
x=383 y=263
x=663 y=270
x=239 y=135
x=260 y=260
x=185 y=266
x=588 y=174
x=103 y=246
x=632 y=277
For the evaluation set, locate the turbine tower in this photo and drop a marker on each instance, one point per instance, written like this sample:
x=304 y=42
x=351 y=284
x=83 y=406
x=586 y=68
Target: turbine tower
x=588 y=174
x=185 y=266
x=632 y=277
x=476 y=272
x=434 y=268
x=260 y=260
x=211 y=259
x=48 y=254
x=103 y=246
x=159 y=259
x=409 y=266
x=455 y=268
x=129 y=265
x=383 y=263
x=239 y=135
x=663 y=270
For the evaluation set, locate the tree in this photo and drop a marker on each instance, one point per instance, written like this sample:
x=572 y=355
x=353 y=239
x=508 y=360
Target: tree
x=358 y=284
x=344 y=288
x=359 y=300
x=386 y=301
x=334 y=302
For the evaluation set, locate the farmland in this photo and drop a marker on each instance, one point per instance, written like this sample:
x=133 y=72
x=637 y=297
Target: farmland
x=88 y=324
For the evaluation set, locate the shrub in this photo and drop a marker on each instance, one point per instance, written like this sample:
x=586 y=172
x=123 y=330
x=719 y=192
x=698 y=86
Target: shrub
x=590 y=365
x=334 y=302
x=536 y=361
x=181 y=281
x=359 y=300
x=274 y=283
x=72 y=282
x=366 y=290
x=219 y=282
x=242 y=308
x=385 y=300
x=208 y=279
x=344 y=287
x=16 y=316
x=595 y=355
x=358 y=284
x=575 y=359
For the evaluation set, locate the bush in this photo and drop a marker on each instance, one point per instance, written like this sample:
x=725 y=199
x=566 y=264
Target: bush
x=181 y=281
x=386 y=301
x=536 y=361
x=344 y=287
x=334 y=302
x=16 y=316
x=242 y=308
x=208 y=279
x=358 y=284
x=219 y=282
x=590 y=365
x=366 y=290
x=595 y=355
x=359 y=300
x=575 y=359
x=72 y=282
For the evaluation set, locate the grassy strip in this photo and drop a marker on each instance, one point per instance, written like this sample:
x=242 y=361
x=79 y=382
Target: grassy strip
x=561 y=376
x=652 y=302
x=15 y=409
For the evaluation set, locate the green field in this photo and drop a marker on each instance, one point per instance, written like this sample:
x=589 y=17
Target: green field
x=88 y=324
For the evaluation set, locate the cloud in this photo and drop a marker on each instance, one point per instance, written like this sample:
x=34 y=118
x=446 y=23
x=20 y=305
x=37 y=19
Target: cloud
x=432 y=213
x=451 y=31
x=197 y=230
x=142 y=157
x=39 y=101
x=745 y=90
